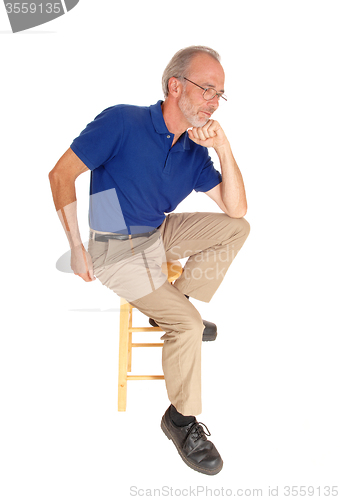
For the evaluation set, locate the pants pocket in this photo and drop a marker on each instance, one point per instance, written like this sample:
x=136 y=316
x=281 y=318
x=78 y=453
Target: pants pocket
x=98 y=251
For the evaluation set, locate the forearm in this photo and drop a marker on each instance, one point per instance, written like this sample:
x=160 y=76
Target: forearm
x=64 y=197
x=62 y=179
x=233 y=191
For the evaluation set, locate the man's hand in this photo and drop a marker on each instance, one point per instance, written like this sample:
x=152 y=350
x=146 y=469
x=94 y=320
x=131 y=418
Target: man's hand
x=81 y=263
x=209 y=136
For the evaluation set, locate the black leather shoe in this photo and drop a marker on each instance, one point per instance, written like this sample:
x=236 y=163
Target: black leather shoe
x=194 y=448
x=209 y=332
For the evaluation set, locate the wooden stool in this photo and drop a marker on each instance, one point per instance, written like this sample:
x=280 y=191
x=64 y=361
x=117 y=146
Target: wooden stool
x=125 y=341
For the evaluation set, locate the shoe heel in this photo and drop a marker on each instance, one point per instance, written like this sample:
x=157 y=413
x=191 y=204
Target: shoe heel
x=165 y=430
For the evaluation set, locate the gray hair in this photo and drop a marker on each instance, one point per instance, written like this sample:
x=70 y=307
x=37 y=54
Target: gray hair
x=181 y=61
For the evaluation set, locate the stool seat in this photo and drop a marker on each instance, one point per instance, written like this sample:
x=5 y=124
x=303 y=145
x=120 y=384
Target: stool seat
x=173 y=270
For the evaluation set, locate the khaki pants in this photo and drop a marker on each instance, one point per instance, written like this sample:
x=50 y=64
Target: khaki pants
x=133 y=269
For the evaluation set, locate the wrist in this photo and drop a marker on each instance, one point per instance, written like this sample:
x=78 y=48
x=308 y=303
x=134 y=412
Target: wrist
x=223 y=151
x=225 y=146
x=74 y=240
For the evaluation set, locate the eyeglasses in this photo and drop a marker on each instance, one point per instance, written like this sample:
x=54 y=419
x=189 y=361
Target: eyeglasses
x=209 y=93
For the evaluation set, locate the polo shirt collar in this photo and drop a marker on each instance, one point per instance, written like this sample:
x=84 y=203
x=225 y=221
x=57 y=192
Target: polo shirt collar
x=157 y=118
x=160 y=127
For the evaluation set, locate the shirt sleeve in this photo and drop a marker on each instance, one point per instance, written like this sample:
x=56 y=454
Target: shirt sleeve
x=209 y=176
x=100 y=140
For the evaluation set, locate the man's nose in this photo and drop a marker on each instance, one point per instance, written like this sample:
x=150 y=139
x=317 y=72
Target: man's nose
x=215 y=101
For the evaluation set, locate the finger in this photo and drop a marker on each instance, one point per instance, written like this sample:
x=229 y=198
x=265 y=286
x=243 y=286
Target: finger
x=83 y=276
x=203 y=135
x=209 y=129
x=90 y=267
x=192 y=137
x=194 y=132
x=208 y=124
x=85 y=259
x=216 y=127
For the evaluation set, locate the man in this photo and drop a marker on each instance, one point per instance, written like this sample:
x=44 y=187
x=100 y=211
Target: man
x=143 y=162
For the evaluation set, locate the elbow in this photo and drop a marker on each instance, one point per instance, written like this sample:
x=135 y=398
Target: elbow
x=237 y=213
x=57 y=181
x=241 y=214
x=52 y=175
x=58 y=176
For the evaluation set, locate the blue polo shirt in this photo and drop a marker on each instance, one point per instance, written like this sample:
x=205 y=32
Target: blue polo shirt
x=136 y=176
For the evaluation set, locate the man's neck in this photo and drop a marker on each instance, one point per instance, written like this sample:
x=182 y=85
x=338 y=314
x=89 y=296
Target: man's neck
x=174 y=120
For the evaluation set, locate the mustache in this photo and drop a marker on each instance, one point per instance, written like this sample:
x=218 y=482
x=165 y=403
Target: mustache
x=209 y=110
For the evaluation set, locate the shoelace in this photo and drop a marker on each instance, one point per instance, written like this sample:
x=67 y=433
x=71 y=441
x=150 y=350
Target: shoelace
x=197 y=429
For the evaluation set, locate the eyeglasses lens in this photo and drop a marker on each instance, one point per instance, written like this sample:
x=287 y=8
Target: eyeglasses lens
x=209 y=94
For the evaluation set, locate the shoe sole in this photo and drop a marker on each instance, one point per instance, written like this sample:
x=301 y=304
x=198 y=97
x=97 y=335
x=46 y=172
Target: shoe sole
x=209 y=339
x=183 y=457
x=205 y=338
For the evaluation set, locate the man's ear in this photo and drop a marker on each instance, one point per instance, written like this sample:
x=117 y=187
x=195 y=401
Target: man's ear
x=175 y=87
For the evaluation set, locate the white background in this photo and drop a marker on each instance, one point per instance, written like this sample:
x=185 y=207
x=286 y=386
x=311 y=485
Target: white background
x=271 y=379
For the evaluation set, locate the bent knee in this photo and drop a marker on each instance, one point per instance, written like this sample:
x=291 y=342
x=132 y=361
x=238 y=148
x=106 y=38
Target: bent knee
x=244 y=227
x=235 y=227
x=193 y=323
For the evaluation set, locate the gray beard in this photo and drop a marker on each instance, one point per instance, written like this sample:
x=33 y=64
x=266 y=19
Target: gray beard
x=188 y=111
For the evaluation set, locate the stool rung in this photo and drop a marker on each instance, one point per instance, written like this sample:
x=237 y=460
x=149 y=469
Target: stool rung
x=145 y=329
x=147 y=345
x=145 y=377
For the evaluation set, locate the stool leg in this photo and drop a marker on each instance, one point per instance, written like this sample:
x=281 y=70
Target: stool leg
x=123 y=354
x=130 y=339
